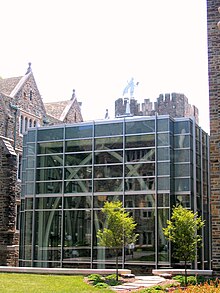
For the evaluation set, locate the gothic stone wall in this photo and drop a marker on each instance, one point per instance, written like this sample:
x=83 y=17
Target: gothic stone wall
x=213 y=17
x=9 y=193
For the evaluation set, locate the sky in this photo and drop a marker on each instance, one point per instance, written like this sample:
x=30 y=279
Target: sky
x=97 y=46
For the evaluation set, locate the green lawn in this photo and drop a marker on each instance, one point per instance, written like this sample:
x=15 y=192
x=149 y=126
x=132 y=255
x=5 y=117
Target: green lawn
x=28 y=283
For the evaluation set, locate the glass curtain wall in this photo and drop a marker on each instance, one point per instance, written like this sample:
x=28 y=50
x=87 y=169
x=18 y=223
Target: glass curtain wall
x=69 y=172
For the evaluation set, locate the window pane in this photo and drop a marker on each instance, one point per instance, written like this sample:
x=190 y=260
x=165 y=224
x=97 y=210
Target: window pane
x=50 y=161
x=139 y=155
x=181 y=127
x=182 y=141
x=163 y=200
x=139 y=200
x=163 y=139
x=163 y=154
x=182 y=170
x=140 y=126
x=163 y=183
x=109 y=143
x=135 y=170
x=135 y=184
x=108 y=185
x=50 y=134
x=79 y=131
x=182 y=184
x=48 y=203
x=50 y=147
x=78 y=186
x=100 y=200
x=108 y=171
x=49 y=174
x=108 y=157
x=163 y=168
x=78 y=173
x=182 y=155
x=108 y=129
x=162 y=125
x=78 y=159
x=137 y=141
x=48 y=187
x=79 y=145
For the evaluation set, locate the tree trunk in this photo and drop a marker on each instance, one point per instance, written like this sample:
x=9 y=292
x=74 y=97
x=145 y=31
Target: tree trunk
x=116 y=252
x=185 y=274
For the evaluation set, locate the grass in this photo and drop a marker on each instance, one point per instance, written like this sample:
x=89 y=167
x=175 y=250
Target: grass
x=28 y=283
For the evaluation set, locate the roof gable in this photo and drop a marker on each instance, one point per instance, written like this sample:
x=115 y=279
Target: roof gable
x=7 y=85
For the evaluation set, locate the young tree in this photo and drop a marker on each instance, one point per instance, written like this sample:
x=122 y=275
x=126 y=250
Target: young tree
x=118 y=230
x=182 y=231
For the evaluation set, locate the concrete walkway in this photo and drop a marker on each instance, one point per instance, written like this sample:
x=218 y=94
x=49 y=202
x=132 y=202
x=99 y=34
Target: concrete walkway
x=140 y=282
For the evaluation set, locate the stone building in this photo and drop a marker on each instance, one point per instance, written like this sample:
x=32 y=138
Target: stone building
x=21 y=107
x=173 y=104
x=213 y=18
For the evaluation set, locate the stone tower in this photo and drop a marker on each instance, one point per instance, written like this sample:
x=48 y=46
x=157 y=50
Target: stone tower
x=213 y=17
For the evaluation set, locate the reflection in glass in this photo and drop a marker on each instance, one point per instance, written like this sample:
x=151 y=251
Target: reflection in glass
x=50 y=161
x=75 y=186
x=163 y=252
x=48 y=203
x=109 y=143
x=140 y=170
x=78 y=172
x=50 y=147
x=78 y=145
x=139 y=201
x=77 y=159
x=77 y=202
x=108 y=185
x=140 y=155
x=140 y=141
x=49 y=187
x=108 y=171
x=108 y=129
x=135 y=184
x=108 y=157
x=143 y=126
x=49 y=174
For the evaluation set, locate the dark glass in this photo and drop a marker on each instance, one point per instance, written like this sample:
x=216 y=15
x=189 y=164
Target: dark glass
x=163 y=168
x=48 y=203
x=108 y=185
x=27 y=226
x=182 y=155
x=108 y=157
x=144 y=249
x=30 y=175
x=48 y=235
x=49 y=174
x=109 y=129
x=50 y=147
x=79 y=131
x=31 y=149
x=182 y=141
x=182 y=170
x=100 y=200
x=140 y=170
x=163 y=200
x=29 y=203
x=77 y=236
x=139 y=200
x=163 y=154
x=163 y=139
x=143 y=126
x=49 y=187
x=181 y=127
x=135 y=184
x=108 y=171
x=183 y=200
x=138 y=141
x=50 y=134
x=163 y=124
x=50 y=161
x=78 y=145
x=77 y=202
x=163 y=247
x=182 y=184
x=78 y=186
x=30 y=162
x=78 y=159
x=31 y=135
x=163 y=183
x=78 y=172
x=140 y=155
x=109 y=143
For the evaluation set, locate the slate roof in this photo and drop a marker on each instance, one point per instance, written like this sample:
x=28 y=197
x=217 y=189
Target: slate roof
x=7 y=85
x=55 y=109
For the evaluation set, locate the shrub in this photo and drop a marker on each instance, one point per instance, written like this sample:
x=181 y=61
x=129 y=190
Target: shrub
x=101 y=285
x=95 y=278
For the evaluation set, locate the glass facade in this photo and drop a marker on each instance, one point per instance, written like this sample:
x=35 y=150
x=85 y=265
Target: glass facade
x=70 y=171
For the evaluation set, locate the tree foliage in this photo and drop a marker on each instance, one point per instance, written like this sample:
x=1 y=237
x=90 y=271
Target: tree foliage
x=182 y=231
x=118 y=228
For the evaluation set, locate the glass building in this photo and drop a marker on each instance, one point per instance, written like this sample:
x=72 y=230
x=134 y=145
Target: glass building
x=70 y=171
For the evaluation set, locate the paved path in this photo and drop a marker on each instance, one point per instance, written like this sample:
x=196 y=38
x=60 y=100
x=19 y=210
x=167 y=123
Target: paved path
x=140 y=282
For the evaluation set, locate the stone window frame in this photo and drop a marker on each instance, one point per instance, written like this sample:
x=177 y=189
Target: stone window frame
x=26 y=121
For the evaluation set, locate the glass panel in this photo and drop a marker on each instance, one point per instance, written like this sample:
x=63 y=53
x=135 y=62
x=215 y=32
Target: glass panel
x=143 y=126
x=163 y=168
x=108 y=171
x=48 y=203
x=31 y=149
x=183 y=200
x=109 y=143
x=108 y=157
x=50 y=161
x=27 y=235
x=31 y=135
x=30 y=175
x=163 y=200
x=163 y=139
x=50 y=147
x=79 y=131
x=77 y=202
x=163 y=249
x=181 y=127
x=108 y=129
x=144 y=248
x=182 y=141
x=163 y=183
x=135 y=184
x=30 y=162
x=140 y=155
x=108 y=185
x=78 y=172
x=49 y=174
x=182 y=170
x=76 y=186
x=78 y=159
x=77 y=231
x=29 y=188
x=162 y=124
x=79 y=145
x=163 y=154
x=50 y=134
x=48 y=235
x=139 y=201
x=182 y=184
x=49 y=187
x=137 y=141
x=182 y=155
x=29 y=203
x=140 y=170
x=99 y=200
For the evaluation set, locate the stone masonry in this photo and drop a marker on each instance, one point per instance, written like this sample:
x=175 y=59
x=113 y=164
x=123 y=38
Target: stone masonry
x=213 y=17
x=173 y=104
x=21 y=107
